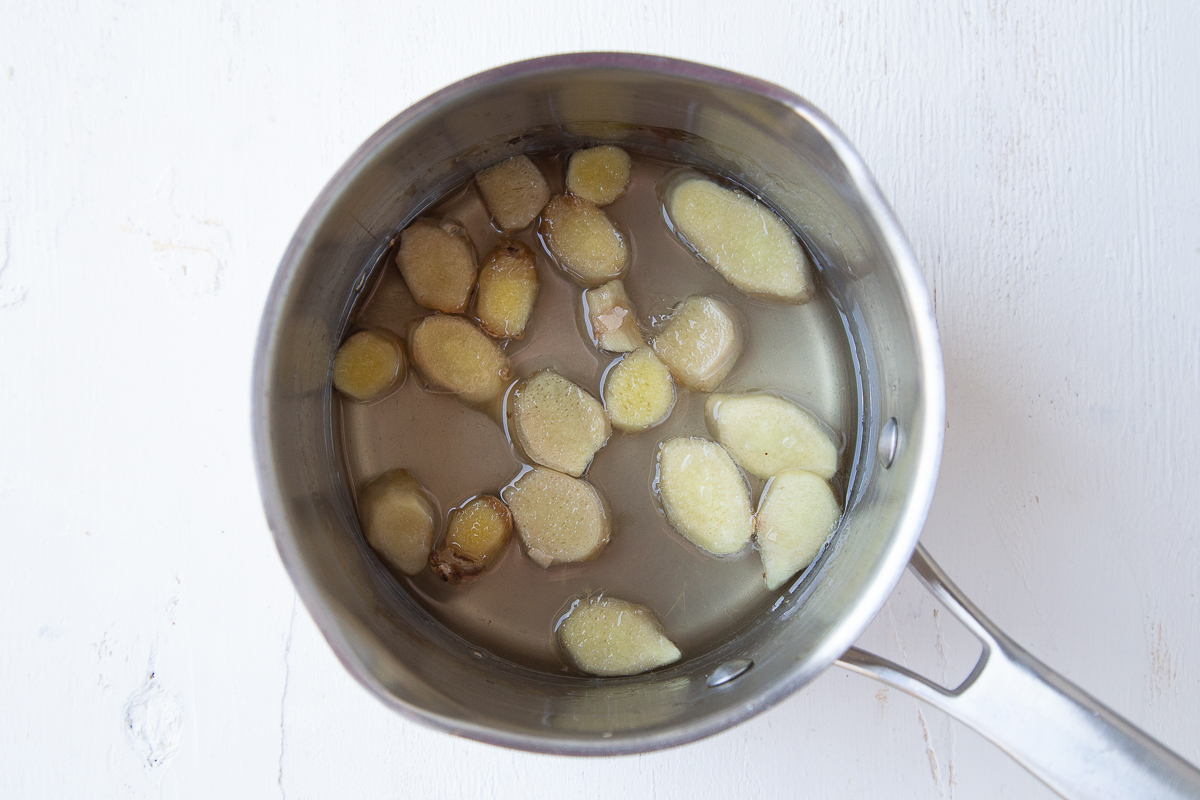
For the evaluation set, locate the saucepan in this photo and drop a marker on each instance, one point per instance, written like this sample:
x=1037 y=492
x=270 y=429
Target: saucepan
x=803 y=166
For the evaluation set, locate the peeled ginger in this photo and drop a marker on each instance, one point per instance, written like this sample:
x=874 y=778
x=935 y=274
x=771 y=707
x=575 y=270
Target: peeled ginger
x=610 y=637
x=700 y=343
x=583 y=240
x=767 y=433
x=508 y=287
x=515 y=192
x=369 y=364
x=397 y=517
x=797 y=515
x=438 y=266
x=557 y=423
x=598 y=174
x=477 y=535
x=612 y=321
x=742 y=239
x=560 y=519
x=704 y=495
x=638 y=391
x=453 y=355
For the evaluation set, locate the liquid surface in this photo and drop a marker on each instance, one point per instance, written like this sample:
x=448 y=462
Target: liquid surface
x=458 y=452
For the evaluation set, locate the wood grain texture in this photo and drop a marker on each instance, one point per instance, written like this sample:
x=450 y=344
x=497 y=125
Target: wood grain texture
x=155 y=161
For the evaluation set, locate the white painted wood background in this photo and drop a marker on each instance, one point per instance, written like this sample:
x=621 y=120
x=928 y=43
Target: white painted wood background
x=154 y=161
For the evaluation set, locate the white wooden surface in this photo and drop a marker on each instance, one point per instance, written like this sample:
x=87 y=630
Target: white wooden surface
x=154 y=161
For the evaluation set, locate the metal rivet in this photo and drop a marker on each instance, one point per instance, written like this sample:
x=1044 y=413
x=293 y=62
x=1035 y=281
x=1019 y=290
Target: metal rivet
x=728 y=671
x=889 y=442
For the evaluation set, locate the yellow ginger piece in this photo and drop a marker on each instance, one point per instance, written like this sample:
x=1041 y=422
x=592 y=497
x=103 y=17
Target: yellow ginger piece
x=397 y=517
x=700 y=343
x=369 y=365
x=583 y=240
x=797 y=515
x=742 y=239
x=454 y=355
x=515 y=192
x=704 y=495
x=612 y=322
x=478 y=534
x=638 y=392
x=508 y=287
x=559 y=518
x=767 y=434
x=598 y=174
x=557 y=424
x=609 y=637
x=438 y=266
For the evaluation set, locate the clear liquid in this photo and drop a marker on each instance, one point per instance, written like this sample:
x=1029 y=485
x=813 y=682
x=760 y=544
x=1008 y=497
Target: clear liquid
x=802 y=352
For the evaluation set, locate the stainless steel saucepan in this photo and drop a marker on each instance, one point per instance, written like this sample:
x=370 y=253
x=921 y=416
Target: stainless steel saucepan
x=804 y=166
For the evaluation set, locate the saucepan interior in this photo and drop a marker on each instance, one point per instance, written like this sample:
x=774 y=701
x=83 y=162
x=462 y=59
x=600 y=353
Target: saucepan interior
x=801 y=164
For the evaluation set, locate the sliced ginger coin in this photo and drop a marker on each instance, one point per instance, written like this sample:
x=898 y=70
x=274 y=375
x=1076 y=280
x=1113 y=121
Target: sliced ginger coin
x=611 y=319
x=795 y=519
x=704 y=495
x=478 y=534
x=398 y=519
x=638 y=391
x=369 y=365
x=610 y=637
x=508 y=287
x=742 y=239
x=515 y=192
x=700 y=343
x=598 y=174
x=438 y=266
x=767 y=434
x=560 y=519
x=557 y=424
x=454 y=355
x=583 y=240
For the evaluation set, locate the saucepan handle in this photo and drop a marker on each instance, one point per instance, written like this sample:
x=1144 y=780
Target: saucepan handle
x=1057 y=731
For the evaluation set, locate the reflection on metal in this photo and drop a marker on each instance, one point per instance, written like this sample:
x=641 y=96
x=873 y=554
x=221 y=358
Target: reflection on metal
x=728 y=671
x=889 y=442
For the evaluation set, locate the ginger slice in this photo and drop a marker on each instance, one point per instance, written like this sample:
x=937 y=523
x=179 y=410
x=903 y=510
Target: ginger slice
x=610 y=637
x=438 y=266
x=369 y=365
x=742 y=239
x=612 y=321
x=700 y=343
x=453 y=355
x=767 y=433
x=704 y=495
x=557 y=424
x=638 y=391
x=598 y=174
x=397 y=517
x=559 y=518
x=508 y=287
x=477 y=535
x=797 y=515
x=583 y=240
x=515 y=192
